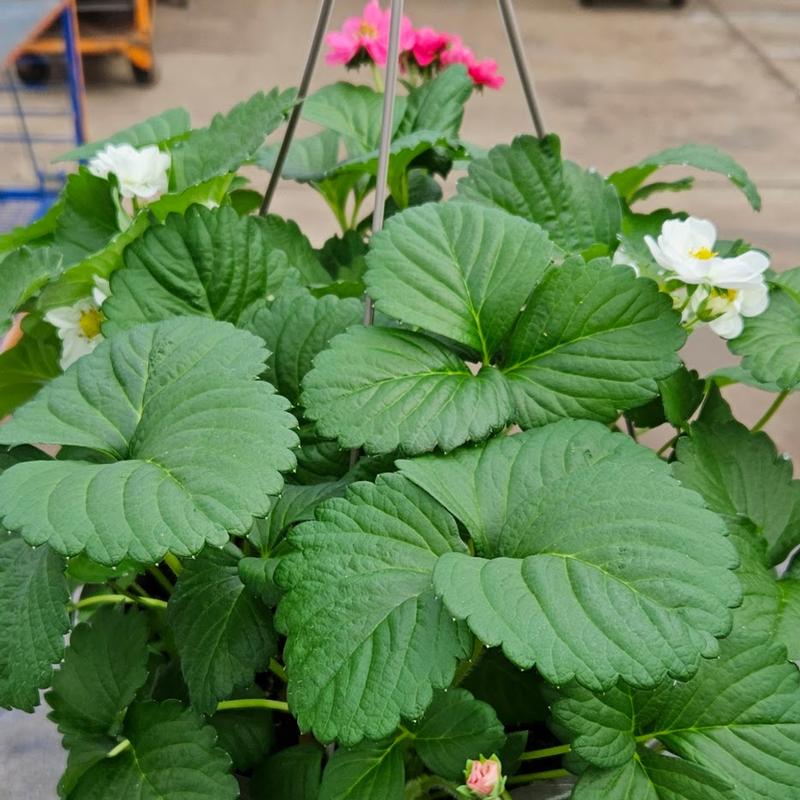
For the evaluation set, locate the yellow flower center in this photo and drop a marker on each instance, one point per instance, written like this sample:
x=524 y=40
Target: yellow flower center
x=703 y=253
x=370 y=31
x=730 y=294
x=89 y=322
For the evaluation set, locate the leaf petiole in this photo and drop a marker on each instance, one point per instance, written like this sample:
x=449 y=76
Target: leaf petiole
x=262 y=703
x=770 y=412
x=112 y=599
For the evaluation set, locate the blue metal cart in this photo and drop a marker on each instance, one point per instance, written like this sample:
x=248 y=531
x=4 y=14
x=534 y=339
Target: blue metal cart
x=37 y=119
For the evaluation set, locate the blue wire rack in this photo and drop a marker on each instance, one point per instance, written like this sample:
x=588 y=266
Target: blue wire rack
x=20 y=22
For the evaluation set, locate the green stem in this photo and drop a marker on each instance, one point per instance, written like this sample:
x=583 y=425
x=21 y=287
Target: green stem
x=770 y=412
x=120 y=748
x=113 y=599
x=277 y=669
x=530 y=777
x=264 y=704
x=377 y=77
x=161 y=579
x=547 y=752
x=172 y=562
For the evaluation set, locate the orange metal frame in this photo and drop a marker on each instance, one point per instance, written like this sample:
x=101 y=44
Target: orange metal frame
x=136 y=44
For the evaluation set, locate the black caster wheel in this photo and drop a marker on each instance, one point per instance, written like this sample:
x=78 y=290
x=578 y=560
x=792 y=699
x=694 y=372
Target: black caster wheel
x=33 y=70
x=144 y=77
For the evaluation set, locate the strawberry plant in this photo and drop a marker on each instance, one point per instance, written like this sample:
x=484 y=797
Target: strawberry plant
x=253 y=547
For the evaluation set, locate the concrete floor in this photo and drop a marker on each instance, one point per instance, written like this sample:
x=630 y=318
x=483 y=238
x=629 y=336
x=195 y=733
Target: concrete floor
x=617 y=81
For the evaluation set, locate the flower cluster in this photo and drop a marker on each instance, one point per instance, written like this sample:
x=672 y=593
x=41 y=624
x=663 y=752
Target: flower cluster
x=706 y=286
x=365 y=40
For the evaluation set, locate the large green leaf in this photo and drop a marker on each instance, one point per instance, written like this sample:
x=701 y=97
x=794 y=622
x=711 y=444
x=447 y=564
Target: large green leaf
x=223 y=633
x=104 y=667
x=738 y=719
x=89 y=219
x=22 y=274
x=576 y=581
x=37 y=233
x=352 y=111
x=654 y=777
x=190 y=445
x=483 y=486
x=172 y=754
x=741 y=474
x=296 y=328
x=245 y=734
x=770 y=342
x=29 y=365
x=456 y=727
x=230 y=140
x=457 y=270
x=366 y=771
x=78 y=281
x=438 y=104
x=291 y=774
x=387 y=389
x=593 y=340
x=153 y=130
x=308 y=160
x=33 y=620
x=701 y=156
x=210 y=263
x=368 y=641
x=528 y=178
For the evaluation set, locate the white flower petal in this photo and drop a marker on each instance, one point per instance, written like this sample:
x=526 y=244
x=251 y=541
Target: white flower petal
x=738 y=272
x=754 y=300
x=728 y=326
x=63 y=317
x=140 y=173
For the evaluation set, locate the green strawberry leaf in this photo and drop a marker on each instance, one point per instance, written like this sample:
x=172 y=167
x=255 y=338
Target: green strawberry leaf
x=297 y=327
x=741 y=474
x=308 y=160
x=568 y=586
x=184 y=433
x=457 y=270
x=770 y=342
x=210 y=263
x=22 y=273
x=223 y=633
x=438 y=104
x=29 y=365
x=354 y=112
x=33 y=620
x=230 y=140
x=153 y=130
x=368 y=641
x=291 y=774
x=366 y=771
x=593 y=340
x=456 y=727
x=654 y=777
x=387 y=389
x=738 y=719
x=172 y=754
x=701 y=156
x=527 y=178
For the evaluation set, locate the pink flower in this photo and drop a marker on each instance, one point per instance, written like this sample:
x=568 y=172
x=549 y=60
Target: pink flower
x=13 y=334
x=428 y=45
x=484 y=777
x=367 y=37
x=483 y=73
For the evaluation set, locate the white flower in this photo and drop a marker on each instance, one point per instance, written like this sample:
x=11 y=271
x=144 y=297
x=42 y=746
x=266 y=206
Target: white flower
x=725 y=308
x=686 y=248
x=140 y=173
x=78 y=326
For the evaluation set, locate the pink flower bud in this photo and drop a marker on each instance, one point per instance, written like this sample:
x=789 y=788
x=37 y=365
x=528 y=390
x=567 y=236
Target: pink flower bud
x=484 y=777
